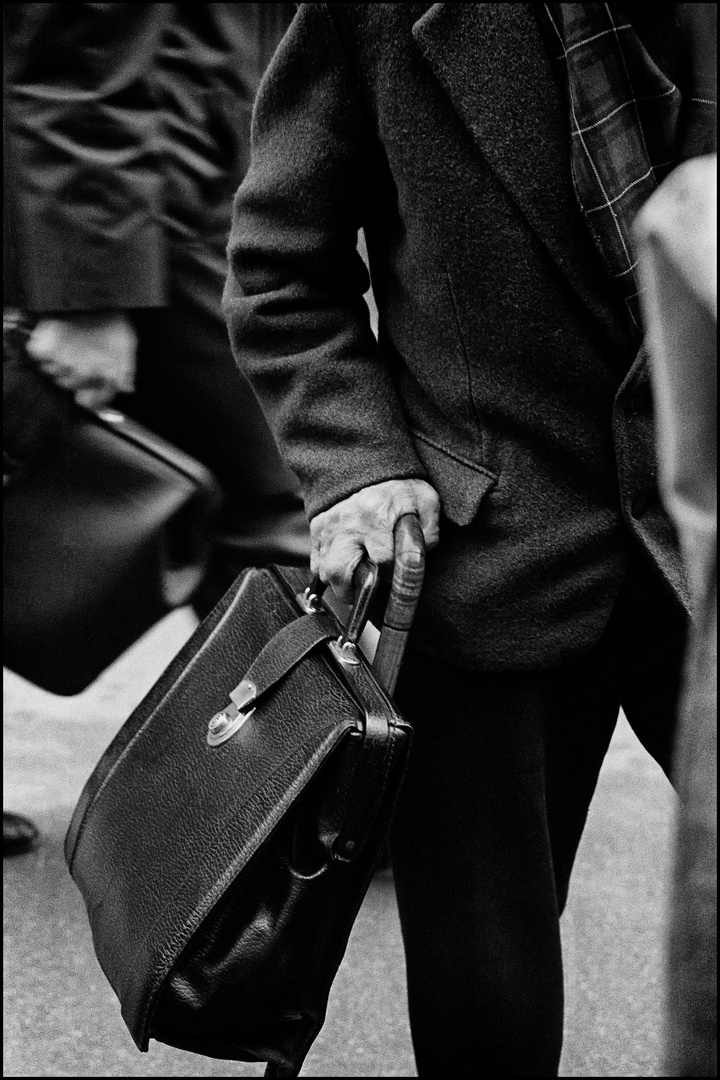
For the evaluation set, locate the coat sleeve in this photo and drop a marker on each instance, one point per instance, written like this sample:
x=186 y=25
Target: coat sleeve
x=86 y=195
x=298 y=322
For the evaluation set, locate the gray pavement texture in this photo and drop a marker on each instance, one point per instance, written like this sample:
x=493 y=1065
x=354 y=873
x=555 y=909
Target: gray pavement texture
x=62 y=1019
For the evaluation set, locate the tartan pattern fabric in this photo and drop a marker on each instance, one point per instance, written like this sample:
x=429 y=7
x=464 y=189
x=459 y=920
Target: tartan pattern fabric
x=624 y=116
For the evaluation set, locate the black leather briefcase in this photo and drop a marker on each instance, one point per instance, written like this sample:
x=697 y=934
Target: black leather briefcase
x=104 y=529
x=226 y=840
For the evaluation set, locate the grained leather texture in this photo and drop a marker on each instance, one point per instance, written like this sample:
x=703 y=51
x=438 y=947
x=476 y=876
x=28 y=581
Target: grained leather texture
x=222 y=882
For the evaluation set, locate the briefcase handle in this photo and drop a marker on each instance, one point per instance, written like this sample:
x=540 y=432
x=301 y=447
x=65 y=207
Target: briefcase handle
x=407 y=579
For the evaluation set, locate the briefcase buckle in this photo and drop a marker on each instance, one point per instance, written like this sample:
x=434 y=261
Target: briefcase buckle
x=225 y=723
x=345 y=652
x=309 y=600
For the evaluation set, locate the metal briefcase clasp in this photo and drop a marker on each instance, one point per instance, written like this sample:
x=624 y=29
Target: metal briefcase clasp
x=365 y=581
x=225 y=723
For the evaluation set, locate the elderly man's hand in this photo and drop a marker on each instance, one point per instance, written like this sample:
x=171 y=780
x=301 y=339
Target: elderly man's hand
x=89 y=353
x=363 y=524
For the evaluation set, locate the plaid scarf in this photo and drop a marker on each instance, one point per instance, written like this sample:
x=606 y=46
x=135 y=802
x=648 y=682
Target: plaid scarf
x=624 y=115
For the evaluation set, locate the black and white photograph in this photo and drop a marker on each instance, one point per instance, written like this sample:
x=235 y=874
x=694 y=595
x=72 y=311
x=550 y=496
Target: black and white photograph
x=360 y=540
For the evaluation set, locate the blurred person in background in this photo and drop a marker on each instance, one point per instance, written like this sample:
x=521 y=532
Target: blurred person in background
x=126 y=131
x=495 y=156
x=676 y=234
x=677 y=243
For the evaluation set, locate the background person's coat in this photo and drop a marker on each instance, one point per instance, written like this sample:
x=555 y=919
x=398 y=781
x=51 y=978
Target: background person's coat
x=503 y=373
x=127 y=131
x=676 y=234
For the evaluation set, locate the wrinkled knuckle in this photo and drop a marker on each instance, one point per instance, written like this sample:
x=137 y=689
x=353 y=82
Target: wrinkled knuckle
x=352 y=525
x=432 y=537
x=429 y=496
x=336 y=558
x=335 y=578
x=380 y=551
x=321 y=531
x=367 y=520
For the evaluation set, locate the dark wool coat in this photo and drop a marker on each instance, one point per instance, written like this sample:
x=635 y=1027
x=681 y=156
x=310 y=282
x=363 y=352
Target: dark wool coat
x=503 y=373
x=127 y=129
x=127 y=132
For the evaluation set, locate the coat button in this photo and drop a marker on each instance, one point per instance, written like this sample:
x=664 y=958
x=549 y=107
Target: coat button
x=639 y=401
x=640 y=503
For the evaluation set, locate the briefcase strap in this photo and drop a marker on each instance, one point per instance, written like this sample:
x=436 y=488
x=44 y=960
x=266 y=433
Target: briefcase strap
x=350 y=820
x=361 y=791
x=277 y=659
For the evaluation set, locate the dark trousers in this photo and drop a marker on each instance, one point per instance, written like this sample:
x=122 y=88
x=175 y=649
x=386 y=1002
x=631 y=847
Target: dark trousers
x=190 y=391
x=501 y=775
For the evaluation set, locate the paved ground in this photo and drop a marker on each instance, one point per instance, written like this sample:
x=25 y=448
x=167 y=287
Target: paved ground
x=61 y=1018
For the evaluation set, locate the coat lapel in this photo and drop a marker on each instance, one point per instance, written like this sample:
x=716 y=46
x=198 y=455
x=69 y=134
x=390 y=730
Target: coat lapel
x=492 y=63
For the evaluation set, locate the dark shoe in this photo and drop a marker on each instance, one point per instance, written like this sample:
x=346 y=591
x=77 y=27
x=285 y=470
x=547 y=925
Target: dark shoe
x=19 y=834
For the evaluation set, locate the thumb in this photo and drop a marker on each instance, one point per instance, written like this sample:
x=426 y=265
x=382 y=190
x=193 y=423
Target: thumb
x=40 y=344
x=94 y=397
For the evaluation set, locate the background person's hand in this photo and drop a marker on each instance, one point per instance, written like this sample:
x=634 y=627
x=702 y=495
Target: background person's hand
x=363 y=524
x=91 y=354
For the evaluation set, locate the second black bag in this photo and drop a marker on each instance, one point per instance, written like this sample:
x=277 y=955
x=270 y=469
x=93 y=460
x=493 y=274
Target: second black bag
x=105 y=528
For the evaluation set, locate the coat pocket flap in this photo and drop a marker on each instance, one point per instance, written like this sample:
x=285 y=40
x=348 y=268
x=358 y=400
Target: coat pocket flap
x=461 y=484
